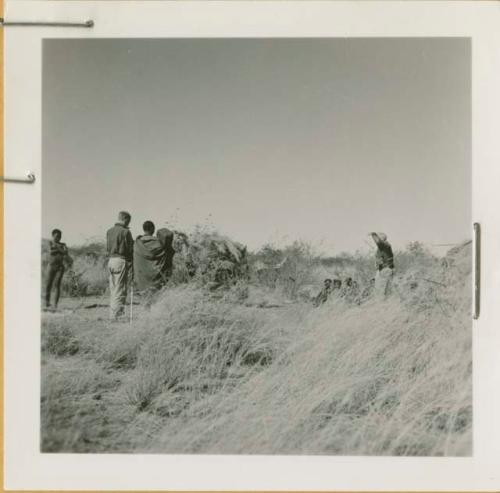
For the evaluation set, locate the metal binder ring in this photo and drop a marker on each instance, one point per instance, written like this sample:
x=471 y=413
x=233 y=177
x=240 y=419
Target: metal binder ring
x=3 y=22
x=476 y=304
x=30 y=178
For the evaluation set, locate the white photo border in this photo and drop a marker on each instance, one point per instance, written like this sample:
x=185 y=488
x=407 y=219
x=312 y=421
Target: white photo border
x=25 y=466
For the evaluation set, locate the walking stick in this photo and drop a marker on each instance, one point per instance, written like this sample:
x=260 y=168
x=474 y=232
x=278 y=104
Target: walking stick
x=131 y=302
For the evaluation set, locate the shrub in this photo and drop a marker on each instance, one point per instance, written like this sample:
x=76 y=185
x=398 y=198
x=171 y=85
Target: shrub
x=87 y=275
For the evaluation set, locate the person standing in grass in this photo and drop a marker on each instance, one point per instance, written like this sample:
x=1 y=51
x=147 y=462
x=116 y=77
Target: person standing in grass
x=58 y=256
x=385 y=263
x=120 y=247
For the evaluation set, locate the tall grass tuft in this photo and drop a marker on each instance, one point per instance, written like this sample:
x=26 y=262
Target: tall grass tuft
x=209 y=373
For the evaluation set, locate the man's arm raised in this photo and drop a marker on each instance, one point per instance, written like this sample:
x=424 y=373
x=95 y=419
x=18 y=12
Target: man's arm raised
x=376 y=238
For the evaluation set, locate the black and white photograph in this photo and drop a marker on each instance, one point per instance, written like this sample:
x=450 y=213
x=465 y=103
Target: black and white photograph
x=256 y=246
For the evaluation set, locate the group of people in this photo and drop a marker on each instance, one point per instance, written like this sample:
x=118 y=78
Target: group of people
x=148 y=261
x=349 y=290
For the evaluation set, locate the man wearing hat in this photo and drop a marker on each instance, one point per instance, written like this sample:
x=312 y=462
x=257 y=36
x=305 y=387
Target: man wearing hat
x=385 y=263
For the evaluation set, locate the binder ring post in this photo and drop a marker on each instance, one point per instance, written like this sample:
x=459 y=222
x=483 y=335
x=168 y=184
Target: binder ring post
x=87 y=24
x=29 y=179
x=477 y=270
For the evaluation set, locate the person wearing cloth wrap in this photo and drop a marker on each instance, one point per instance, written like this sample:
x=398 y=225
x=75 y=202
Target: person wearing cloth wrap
x=120 y=246
x=153 y=259
x=55 y=272
x=323 y=295
x=385 y=264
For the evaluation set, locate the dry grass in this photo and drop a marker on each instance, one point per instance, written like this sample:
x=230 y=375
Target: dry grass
x=249 y=373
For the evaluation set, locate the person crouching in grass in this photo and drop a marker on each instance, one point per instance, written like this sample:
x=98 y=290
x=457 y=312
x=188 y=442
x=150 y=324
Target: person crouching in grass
x=58 y=257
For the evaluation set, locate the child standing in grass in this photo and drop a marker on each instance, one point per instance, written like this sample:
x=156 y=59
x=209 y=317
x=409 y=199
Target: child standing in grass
x=58 y=256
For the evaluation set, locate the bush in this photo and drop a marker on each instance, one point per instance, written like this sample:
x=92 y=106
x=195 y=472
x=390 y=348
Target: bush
x=87 y=274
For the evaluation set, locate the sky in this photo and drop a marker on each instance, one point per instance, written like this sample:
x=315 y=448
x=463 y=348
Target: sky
x=266 y=140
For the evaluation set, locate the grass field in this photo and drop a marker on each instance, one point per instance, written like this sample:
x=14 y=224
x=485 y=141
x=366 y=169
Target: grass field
x=257 y=369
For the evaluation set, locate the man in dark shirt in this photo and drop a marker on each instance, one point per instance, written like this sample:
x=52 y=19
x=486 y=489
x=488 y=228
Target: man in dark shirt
x=120 y=246
x=385 y=263
x=58 y=256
